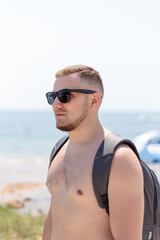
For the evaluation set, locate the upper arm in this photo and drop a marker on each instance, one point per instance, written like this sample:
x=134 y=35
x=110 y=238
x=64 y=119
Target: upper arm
x=126 y=195
x=47 y=229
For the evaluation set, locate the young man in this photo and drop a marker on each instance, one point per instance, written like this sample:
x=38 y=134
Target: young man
x=74 y=212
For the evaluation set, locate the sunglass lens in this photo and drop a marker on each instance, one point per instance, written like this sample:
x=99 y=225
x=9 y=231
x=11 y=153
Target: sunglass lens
x=50 y=98
x=64 y=97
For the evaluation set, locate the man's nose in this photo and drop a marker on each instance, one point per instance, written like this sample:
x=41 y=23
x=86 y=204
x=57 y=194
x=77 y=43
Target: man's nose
x=57 y=104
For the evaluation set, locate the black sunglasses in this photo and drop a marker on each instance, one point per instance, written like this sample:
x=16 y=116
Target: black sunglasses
x=64 y=95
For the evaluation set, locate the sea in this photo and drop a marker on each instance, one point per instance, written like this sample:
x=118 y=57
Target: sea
x=33 y=134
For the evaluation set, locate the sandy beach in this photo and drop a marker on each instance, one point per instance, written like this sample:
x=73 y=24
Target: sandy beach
x=22 y=185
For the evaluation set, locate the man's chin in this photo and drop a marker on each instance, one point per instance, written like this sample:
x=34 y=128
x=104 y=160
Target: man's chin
x=61 y=128
x=66 y=128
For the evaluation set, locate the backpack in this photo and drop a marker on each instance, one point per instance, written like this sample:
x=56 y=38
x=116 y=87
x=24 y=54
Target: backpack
x=100 y=175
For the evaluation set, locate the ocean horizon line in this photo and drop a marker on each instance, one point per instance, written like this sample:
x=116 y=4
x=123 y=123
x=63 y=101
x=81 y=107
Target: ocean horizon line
x=100 y=111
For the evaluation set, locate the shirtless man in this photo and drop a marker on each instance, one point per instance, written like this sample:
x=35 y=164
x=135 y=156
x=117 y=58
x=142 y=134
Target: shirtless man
x=74 y=213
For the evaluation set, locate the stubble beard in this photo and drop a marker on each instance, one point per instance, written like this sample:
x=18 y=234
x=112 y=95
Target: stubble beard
x=74 y=124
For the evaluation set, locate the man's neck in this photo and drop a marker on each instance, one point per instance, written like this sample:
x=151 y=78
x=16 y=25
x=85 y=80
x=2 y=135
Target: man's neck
x=87 y=132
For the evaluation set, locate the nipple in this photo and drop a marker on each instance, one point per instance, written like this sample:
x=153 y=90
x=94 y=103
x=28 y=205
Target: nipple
x=79 y=192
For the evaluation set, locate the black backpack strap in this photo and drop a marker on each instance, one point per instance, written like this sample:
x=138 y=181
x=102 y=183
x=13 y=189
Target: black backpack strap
x=102 y=166
x=57 y=147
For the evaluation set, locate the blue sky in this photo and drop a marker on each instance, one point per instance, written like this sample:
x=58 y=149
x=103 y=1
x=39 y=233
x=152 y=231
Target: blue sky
x=120 y=39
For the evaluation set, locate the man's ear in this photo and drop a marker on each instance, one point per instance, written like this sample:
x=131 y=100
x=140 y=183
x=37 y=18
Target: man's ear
x=96 y=101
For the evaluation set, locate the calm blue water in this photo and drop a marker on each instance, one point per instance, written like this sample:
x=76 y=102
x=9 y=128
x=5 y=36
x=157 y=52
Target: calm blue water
x=33 y=134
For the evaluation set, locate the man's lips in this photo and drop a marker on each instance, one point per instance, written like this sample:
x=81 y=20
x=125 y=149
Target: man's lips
x=59 y=114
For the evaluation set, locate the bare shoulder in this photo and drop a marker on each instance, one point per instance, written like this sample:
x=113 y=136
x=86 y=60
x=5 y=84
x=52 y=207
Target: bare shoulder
x=125 y=194
x=125 y=161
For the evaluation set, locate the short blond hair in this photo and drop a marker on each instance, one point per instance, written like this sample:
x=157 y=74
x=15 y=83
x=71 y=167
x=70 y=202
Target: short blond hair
x=84 y=72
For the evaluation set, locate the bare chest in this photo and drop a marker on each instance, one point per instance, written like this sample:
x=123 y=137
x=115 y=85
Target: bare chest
x=72 y=171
